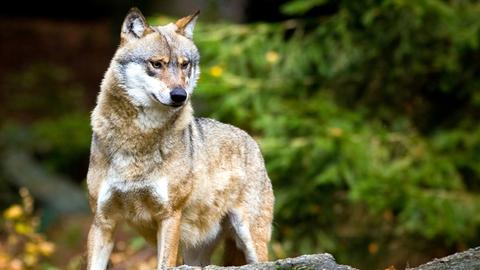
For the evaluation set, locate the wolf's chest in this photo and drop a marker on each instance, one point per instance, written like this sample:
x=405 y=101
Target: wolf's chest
x=135 y=201
x=135 y=164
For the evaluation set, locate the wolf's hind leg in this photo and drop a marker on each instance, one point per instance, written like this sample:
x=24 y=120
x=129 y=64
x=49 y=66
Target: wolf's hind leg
x=243 y=236
x=261 y=237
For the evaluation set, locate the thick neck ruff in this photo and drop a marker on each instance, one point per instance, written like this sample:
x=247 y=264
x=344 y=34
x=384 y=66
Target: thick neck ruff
x=137 y=130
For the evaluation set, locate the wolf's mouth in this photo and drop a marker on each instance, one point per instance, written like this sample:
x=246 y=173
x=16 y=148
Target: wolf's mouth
x=155 y=97
x=176 y=105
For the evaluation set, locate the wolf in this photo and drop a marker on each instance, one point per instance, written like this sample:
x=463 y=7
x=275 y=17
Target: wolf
x=184 y=183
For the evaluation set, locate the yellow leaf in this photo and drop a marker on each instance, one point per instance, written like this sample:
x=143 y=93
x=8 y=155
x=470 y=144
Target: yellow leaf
x=30 y=259
x=216 y=71
x=31 y=248
x=46 y=248
x=272 y=57
x=13 y=212
x=23 y=228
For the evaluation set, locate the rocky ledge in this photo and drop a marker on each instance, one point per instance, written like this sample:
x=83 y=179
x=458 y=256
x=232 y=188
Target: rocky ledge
x=316 y=261
x=467 y=260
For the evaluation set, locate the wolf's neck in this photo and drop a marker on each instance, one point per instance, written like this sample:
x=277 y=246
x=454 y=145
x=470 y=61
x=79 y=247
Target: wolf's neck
x=149 y=119
x=117 y=121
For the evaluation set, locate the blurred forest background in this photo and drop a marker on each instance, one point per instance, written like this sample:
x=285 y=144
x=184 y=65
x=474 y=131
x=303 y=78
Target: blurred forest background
x=366 y=111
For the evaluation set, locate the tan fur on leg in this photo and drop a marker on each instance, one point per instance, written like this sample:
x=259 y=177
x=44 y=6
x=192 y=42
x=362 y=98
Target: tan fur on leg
x=168 y=237
x=260 y=242
x=100 y=245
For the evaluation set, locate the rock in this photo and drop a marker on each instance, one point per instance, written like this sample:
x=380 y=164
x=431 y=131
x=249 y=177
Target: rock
x=305 y=262
x=467 y=260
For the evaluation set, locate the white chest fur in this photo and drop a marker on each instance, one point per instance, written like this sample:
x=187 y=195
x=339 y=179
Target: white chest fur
x=133 y=200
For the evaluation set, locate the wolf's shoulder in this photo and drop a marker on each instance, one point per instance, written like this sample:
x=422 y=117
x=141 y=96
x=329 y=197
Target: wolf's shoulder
x=208 y=127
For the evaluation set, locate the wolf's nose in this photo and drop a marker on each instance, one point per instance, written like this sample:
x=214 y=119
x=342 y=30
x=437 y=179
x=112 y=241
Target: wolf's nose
x=178 y=95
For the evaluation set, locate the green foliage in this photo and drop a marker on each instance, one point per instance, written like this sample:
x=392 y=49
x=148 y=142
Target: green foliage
x=46 y=114
x=62 y=142
x=301 y=7
x=41 y=90
x=366 y=118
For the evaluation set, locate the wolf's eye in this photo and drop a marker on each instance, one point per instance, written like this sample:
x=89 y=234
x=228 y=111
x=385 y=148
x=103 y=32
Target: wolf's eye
x=184 y=64
x=157 y=64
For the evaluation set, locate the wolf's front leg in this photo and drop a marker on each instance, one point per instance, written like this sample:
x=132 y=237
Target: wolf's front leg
x=100 y=244
x=168 y=237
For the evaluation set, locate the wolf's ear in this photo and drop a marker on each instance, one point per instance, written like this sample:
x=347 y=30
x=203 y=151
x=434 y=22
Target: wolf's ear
x=134 y=26
x=185 y=25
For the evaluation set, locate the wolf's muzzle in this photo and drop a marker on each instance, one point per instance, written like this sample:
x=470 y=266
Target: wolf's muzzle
x=178 y=95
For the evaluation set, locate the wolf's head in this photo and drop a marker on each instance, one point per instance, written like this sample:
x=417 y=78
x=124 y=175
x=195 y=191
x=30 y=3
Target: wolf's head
x=157 y=65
